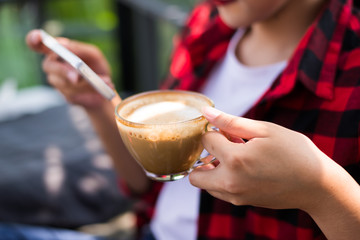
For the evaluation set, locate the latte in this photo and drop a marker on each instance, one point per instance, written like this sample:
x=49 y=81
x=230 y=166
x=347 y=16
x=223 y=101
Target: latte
x=162 y=130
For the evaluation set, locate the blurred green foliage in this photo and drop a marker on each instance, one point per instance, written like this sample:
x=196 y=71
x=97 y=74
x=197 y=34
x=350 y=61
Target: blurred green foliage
x=16 y=61
x=91 y=21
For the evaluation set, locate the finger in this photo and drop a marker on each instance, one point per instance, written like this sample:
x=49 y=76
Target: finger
x=204 y=178
x=52 y=65
x=236 y=126
x=207 y=162
x=73 y=93
x=56 y=81
x=33 y=40
x=108 y=81
x=217 y=145
x=232 y=138
x=214 y=182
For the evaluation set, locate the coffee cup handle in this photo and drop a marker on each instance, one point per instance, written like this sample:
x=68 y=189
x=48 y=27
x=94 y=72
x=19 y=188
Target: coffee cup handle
x=208 y=159
x=204 y=161
x=210 y=127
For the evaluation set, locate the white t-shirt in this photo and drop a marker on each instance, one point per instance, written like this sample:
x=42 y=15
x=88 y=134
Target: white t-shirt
x=234 y=88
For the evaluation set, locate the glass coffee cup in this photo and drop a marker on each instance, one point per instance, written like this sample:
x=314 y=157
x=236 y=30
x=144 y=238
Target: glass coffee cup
x=162 y=131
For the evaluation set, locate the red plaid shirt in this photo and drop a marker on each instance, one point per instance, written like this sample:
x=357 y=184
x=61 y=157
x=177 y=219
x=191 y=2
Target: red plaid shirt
x=318 y=94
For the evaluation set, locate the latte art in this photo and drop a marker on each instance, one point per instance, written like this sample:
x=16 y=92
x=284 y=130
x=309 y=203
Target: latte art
x=164 y=113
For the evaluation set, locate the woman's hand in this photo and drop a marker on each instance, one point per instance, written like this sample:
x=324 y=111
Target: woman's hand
x=64 y=77
x=278 y=168
x=274 y=168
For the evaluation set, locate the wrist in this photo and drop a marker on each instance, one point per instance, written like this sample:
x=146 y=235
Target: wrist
x=333 y=180
x=335 y=206
x=103 y=110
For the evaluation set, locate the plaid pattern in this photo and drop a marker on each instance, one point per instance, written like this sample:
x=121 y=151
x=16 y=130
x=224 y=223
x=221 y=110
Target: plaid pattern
x=318 y=94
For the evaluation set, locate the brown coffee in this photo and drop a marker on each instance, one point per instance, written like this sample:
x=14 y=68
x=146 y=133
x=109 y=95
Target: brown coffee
x=163 y=129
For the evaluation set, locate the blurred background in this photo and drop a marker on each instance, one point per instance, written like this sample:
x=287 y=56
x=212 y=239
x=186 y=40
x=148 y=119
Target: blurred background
x=123 y=29
x=54 y=171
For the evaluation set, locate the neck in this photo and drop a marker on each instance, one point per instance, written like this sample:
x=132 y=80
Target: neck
x=275 y=39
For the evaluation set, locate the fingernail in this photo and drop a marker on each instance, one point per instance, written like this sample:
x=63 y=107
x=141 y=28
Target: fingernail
x=210 y=112
x=73 y=76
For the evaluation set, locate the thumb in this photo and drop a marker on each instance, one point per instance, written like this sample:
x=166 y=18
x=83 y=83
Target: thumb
x=33 y=40
x=236 y=126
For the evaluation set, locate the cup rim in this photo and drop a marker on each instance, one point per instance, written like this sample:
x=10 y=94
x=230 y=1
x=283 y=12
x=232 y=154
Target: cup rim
x=138 y=95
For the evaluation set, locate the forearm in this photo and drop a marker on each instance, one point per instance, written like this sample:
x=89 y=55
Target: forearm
x=337 y=211
x=103 y=120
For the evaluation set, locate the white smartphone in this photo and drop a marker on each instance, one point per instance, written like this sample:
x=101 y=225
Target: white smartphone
x=82 y=68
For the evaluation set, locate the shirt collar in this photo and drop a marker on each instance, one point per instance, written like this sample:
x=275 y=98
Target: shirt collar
x=314 y=61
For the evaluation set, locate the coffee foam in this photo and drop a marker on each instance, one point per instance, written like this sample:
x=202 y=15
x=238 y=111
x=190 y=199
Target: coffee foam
x=165 y=132
x=163 y=113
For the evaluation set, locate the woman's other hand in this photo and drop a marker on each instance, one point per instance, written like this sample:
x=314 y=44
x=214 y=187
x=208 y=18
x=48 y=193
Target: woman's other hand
x=64 y=77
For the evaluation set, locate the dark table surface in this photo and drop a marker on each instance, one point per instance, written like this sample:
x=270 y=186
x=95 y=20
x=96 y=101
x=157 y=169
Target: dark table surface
x=54 y=171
